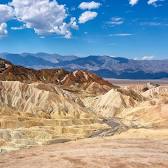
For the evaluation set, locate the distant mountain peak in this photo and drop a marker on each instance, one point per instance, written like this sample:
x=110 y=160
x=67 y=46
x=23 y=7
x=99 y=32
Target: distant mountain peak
x=104 y=66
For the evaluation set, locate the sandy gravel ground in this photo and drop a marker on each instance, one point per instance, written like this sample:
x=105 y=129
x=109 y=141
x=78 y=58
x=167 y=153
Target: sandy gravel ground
x=92 y=153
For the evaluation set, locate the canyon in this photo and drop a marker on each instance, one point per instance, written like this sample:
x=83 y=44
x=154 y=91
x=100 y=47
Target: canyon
x=55 y=117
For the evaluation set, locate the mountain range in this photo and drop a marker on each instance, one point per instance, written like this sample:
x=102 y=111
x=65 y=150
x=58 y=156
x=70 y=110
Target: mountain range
x=104 y=66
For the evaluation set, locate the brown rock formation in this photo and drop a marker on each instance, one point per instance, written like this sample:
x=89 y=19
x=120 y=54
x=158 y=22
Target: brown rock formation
x=78 y=80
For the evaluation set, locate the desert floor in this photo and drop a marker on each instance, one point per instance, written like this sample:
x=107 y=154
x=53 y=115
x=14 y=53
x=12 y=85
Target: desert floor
x=122 y=151
x=127 y=82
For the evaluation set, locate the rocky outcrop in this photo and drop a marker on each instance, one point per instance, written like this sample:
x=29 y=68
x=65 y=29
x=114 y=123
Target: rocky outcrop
x=149 y=114
x=152 y=113
x=157 y=92
x=40 y=98
x=113 y=102
x=38 y=113
x=86 y=81
x=74 y=81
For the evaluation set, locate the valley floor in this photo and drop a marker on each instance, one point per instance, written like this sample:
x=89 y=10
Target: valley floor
x=128 y=82
x=126 y=150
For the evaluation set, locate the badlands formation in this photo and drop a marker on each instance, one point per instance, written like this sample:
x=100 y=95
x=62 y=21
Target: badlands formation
x=87 y=121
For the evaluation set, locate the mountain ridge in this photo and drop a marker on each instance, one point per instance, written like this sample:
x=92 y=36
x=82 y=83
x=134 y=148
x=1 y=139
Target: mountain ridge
x=104 y=66
x=78 y=80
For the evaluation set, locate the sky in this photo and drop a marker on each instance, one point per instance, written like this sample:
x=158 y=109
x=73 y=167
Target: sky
x=136 y=29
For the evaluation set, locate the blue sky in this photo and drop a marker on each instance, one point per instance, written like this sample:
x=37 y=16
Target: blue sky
x=133 y=29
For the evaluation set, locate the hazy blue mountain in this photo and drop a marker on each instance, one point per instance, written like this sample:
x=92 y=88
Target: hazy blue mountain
x=36 y=61
x=111 y=67
x=105 y=66
x=54 y=58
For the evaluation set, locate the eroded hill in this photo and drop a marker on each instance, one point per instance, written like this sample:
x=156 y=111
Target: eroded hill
x=74 y=81
x=34 y=114
x=39 y=107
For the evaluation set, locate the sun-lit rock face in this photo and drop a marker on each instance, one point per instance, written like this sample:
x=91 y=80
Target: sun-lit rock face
x=113 y=102
x=149 y=114
x=148 y=109
x=152 y=113
x=40 y=98
x=38 y=113
x=157 y=92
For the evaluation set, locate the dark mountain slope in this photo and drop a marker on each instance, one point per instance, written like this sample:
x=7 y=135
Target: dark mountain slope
x=77 y=80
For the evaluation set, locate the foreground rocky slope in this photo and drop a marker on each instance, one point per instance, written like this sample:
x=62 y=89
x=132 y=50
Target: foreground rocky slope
x=38 y=113
x=34 y=114
x=97 y=153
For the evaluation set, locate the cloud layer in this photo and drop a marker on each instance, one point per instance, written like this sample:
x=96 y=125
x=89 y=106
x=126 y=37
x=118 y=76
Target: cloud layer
x=50 y=17
x=148 y=57
x=133 y=2
x=86 y=16
x=115 y=21
x=149 y=2
x=6 y=13
x=43 y=16
x=89 y=5
x=122 y=34
x=3 y=29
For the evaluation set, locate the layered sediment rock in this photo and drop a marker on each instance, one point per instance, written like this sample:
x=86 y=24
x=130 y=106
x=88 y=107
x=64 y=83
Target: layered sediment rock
x=113 y=102
x=34 y=114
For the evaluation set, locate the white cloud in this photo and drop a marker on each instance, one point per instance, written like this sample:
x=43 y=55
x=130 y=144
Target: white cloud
x=89 y=5
x=18 y=28
x=3 y=29
x=150 y=2
x=148 y=57
x=133 y=2
x=122 y=34
x=86 y=16
x=116 y=21
x=6 y=13
x=154 y=23
x=73 y=23
x=44 y=16
x=155 y=2
x=145 y=58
